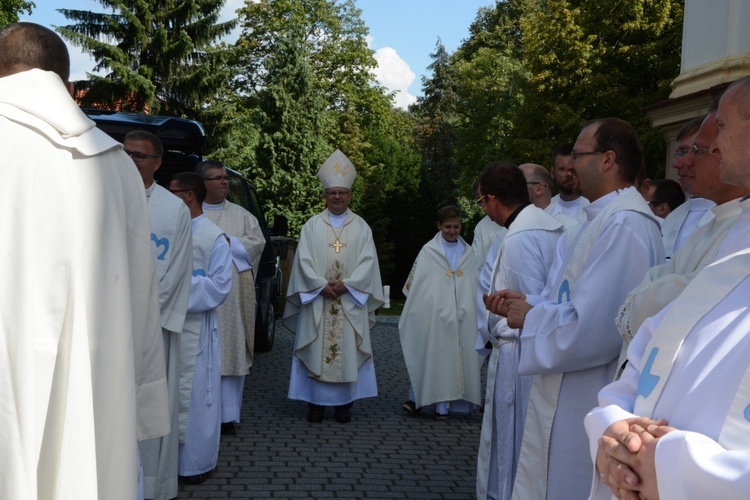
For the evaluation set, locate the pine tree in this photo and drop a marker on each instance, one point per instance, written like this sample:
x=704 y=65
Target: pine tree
x=9 y=10
x=158 y=55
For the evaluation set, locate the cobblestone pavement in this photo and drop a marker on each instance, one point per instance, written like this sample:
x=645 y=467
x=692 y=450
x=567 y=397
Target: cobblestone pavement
x=383 y=453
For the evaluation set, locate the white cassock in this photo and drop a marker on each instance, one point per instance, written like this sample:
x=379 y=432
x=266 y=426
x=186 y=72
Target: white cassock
x=569 y=213
x=690 y=365
x=172 y=248
x=237 y=313
x=332 y=363
x=570 y=342
x=438 y=325
x=485 y=233
x=200 y=383
x=683 y=221
x=523 y=263
x=80 y=346
x=662 y=284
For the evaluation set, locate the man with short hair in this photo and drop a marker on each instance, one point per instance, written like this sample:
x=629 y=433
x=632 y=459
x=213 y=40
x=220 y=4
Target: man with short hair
x=334 y=290
x=523 y=262
x=237 y=313
x=538 y=182
x=200 y=380
x=675 y=425
x=568 y=204
x=82 y=364
x=172 y=253
x=662 y=284
x=485 y=233
x=688 y=217
x=569 y=341
x=665 y=196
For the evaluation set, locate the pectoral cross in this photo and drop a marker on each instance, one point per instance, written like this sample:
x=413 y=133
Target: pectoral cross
x=337 y=245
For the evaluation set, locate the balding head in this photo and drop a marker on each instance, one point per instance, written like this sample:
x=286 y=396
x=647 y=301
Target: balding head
x=25 y=46
x=733 y=120
x=538 y=182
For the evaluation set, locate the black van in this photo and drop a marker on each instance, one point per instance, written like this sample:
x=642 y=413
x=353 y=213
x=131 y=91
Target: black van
x=183 y=141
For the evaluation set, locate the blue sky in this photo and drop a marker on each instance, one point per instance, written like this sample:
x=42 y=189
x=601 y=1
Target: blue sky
x=403 y=34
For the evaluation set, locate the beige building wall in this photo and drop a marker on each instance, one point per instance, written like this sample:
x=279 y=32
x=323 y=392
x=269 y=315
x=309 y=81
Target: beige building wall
x=715 y=52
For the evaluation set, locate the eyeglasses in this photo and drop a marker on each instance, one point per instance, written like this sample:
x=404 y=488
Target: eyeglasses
x=576 y=154
x=480 y=200
x=217 y=178
x=698 y=149
x=532 y=183
x=139 y=157
x=682 y=152
x=337 y=193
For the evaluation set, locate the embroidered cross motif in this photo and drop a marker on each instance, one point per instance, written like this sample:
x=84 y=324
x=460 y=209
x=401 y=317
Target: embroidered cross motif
x=647 y=382
x=337 y=245
x=339 y=170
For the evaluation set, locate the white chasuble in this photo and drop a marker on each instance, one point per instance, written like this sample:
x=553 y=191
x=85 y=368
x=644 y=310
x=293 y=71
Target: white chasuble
x=171 y=244
x=570 y=342
x=82 y=366
x=438 y=325
x=332 y=346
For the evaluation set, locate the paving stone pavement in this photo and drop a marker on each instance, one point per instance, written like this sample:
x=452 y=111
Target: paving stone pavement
x=383 y=453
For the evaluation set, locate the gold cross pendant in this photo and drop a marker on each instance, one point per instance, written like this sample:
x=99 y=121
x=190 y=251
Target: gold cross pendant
x=337 y=245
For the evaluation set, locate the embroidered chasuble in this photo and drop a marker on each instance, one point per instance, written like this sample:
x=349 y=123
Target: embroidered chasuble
x=333 y=336
x=438 y=325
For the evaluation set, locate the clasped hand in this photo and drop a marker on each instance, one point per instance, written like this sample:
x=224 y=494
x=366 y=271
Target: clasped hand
x=334 y=290
x=511 y=304
x=625 y=459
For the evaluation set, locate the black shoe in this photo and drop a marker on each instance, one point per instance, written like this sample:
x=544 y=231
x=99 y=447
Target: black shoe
x=228 y=428
x=343 y=414
x=197 y=479
x=315 y=413
x=411 y=408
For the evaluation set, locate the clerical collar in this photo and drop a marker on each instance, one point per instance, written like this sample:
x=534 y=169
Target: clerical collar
x=208 y=206
x=513 y=216
x=150 y=189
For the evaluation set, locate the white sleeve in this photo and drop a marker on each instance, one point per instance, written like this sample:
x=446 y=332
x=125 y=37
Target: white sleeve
x=210 y=291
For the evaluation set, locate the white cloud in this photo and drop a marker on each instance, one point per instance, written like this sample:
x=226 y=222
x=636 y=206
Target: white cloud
x=395 y=75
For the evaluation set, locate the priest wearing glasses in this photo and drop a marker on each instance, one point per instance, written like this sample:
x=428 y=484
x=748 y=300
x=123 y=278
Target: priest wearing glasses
x=334 y=290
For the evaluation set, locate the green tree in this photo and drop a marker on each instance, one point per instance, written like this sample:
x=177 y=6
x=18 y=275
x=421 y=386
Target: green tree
x=490 y=76
x=158 y=56
x=10 y=9
x=436 y=133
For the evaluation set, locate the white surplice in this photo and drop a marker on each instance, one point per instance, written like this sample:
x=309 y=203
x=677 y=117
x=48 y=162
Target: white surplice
x=80 y=346
x=662 y=284
x=523 y=263
x=172 y=247
x=201 y=347
x=690 y=364
x=683 y=221
x=438 y=326
x=570 y=342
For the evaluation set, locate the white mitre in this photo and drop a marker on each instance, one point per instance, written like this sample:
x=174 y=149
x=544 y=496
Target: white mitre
x=337 y=171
